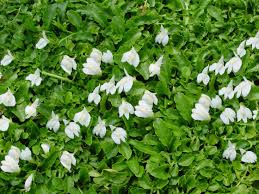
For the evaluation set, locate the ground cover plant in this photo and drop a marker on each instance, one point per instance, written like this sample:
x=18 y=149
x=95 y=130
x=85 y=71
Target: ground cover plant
x=129 y=96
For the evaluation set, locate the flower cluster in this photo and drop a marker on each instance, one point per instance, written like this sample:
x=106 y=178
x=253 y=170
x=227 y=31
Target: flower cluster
x=228 y=115
x=92 y=67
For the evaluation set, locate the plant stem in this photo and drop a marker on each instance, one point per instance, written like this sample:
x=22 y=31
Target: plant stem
x=56 y=76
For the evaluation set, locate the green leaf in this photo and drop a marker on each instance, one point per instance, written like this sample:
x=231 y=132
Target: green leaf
x=125 y=150
x=186 y=160
x=184 y=105
x=162 y=131
x=74 y=18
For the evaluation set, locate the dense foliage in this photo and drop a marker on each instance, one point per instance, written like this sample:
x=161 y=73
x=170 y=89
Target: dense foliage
x=168 y=153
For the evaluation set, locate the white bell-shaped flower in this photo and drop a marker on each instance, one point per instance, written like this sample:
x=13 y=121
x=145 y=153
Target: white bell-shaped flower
x=72 y=130
x=34 y=78
x=7 y=98
x=67 y=159
x=7 y=59
x=28 y=182
x=107 y=57
x=131 y=57
x=200 y=113
x=143 y=110
x=150 y=98
x=125 y=109
x=241 y=51
x=83 y=117
x=227 y=116
x=162 y=37
x=43 y=41
x=91 y=67
x=109 y=87
x=154 y=68
x=53 y=123
x=10 y=165
x=244 y=113
x=203 y=76
x=248 y=156
x=31 y=110
x=15 y=153
x=119 y=135
x=205 y=101
x=126 y=83
x=26 y=154
x=68 y=64
x=218 y=67
x=228 y=91
x=216 y=102
x=230 y=153
x=94 y=96
x=243 y=88
x=45 y=147
x=254 y=41
x=234 y=64
x=96 y=55
x=100 y=128
x=4 y=123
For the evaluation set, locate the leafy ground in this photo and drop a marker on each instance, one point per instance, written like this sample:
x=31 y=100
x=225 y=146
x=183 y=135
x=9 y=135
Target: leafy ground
x=170 y=153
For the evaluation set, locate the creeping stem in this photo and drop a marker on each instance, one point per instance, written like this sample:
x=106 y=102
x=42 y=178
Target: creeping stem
x=56 y=76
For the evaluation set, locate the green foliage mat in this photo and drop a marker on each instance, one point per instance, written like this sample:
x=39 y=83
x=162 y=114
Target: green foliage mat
x=170 y=153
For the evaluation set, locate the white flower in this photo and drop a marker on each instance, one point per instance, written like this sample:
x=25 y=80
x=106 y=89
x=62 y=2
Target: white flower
x=96 y=55
x=243 y=88
x=218 y=67
x=125 y=109
x=143 y=110
x=230 y=153
x=7 y=98
x=228 y=115
x=4 y=123
x=34 y=78
x=254 y=41
x=255 y=114
x=126 y=83
x=83 y=117
x=205 y=101
x=119 y=135
x=45 y=147
x=203 y=76
x=26 y=154
x=100 y=128
x=200 y=113
x=28 y=182
x=7 y=59
x=53 y=123
x=31 y=110
x=68 y=64
x=91 y=67
x=228 y=91
x=15 y=153
x=131 y=57
x=10 y=165
x=241 y=51
x=67 y=159
x=150 y=98
x=72 y=130
x=154 y=68
x=216 y=102
x=107 y=57
x=94 y=96
x=234 y=64
x=109 y=87
x=244 y=113
x=248 y=156
x=42 y=42
x=162 y=37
